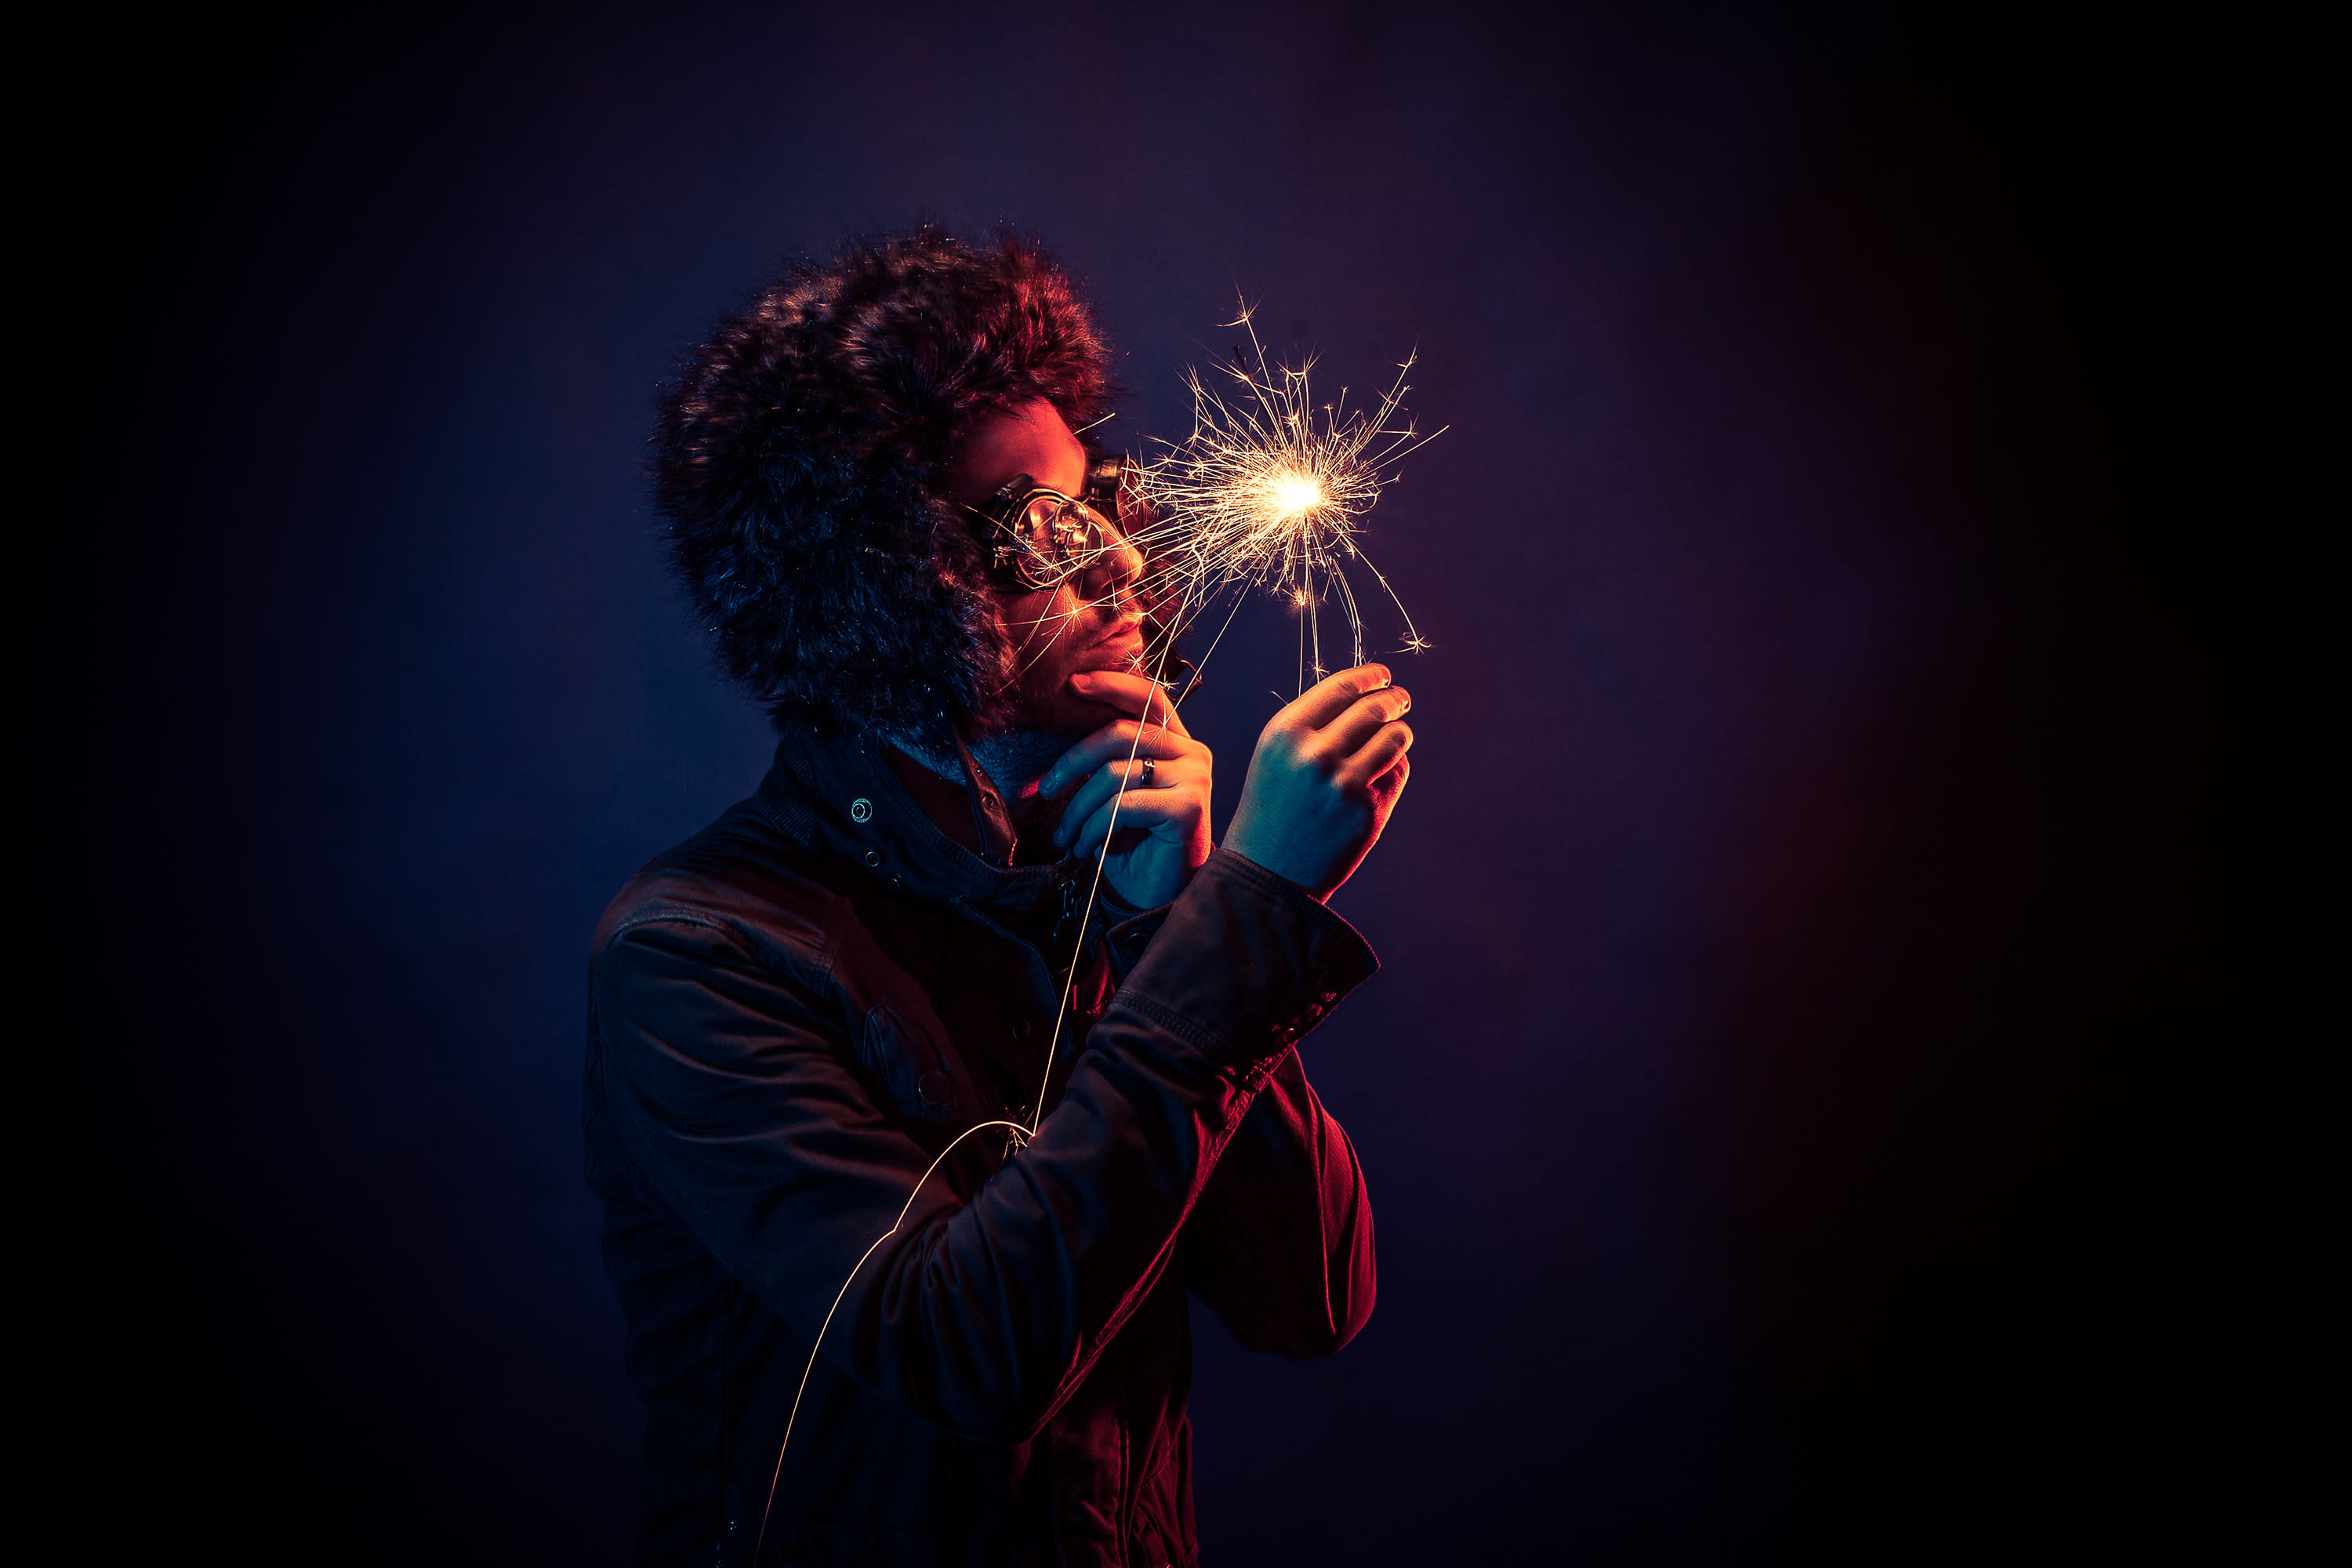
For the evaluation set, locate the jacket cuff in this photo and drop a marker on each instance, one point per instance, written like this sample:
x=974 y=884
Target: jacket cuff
x=1244 y=962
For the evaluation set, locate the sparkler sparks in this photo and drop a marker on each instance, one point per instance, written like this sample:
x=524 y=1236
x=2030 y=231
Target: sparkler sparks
x=1269 y=492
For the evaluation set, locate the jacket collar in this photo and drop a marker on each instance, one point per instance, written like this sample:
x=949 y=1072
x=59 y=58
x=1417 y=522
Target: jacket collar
x=838 y=795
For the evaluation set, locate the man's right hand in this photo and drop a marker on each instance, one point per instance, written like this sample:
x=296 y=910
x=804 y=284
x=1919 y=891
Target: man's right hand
x=1326 y=772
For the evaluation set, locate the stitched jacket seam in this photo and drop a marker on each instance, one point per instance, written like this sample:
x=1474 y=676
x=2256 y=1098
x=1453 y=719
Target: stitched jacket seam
x=1176 y=1024
x=826 y=954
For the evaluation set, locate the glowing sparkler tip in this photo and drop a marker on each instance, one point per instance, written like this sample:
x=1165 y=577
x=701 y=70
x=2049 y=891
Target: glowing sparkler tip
x=1293 y=494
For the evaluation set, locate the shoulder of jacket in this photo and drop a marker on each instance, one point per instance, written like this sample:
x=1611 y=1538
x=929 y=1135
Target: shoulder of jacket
x=744 y=883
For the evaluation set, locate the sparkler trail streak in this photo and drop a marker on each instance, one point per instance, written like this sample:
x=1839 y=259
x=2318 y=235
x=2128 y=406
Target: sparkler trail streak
x=1268 y=491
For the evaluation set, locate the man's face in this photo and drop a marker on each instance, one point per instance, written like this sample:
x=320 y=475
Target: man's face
x=1093 y=620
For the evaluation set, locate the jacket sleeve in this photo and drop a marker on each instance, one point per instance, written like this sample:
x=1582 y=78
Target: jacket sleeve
x=732 y=1085
x=1280 y=1244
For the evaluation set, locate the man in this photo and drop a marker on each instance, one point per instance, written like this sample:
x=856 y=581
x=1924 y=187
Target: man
x=876 y=500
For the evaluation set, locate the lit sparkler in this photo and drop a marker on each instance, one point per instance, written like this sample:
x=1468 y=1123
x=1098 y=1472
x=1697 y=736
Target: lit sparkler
x=1269 y=491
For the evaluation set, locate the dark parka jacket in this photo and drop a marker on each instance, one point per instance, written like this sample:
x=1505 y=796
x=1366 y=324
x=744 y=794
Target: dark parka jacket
x=792 y=1015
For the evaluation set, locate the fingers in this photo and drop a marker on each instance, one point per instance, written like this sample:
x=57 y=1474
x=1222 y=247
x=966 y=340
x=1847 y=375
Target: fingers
x=1137 y=696
x=1184 y=775
x=1329 y=697
x=1171 y=813
x=1385 y=753
x=1113 y=743
x=1362 y=719
x=1384 y=790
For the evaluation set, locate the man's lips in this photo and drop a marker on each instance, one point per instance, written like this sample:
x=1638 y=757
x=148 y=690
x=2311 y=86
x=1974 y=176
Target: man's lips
x=1121 y=650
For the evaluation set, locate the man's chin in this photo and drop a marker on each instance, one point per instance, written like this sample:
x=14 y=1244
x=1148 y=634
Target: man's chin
x=1068 y=713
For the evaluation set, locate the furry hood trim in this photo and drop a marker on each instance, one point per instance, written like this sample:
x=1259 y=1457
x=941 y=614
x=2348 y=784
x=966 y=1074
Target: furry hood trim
x=800 y=467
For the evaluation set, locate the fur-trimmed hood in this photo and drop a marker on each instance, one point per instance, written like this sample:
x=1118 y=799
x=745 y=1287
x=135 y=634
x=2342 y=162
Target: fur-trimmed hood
x=800 y=464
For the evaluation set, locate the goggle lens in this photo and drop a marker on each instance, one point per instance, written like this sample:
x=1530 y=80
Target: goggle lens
x=1064 y=538
x=1046 y=537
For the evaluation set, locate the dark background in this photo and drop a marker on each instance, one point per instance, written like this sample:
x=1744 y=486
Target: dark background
x=1824 y=1098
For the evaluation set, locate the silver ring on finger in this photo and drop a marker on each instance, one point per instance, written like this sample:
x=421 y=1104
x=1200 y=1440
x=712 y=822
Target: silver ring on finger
x=1151 y=765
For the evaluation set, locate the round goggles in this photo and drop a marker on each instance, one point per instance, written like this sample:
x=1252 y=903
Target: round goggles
x=1044 y=537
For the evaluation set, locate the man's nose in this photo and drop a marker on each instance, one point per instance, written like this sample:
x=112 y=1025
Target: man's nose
x=1114 y=574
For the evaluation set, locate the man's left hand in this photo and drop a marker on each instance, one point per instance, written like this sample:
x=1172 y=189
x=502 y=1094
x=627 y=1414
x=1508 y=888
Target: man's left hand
x=1167 y=803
